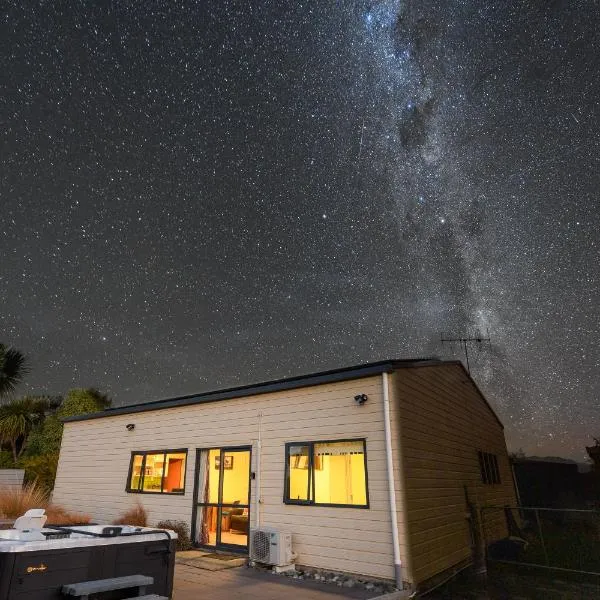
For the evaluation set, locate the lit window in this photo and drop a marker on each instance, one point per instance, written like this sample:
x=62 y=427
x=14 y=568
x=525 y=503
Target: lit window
x=298 y=459
x=488 y=467
x=157 y=472
x=326 y=473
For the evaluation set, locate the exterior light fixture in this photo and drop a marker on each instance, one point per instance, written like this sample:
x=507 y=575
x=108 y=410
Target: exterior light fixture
x=360 y=398
x=130 y=426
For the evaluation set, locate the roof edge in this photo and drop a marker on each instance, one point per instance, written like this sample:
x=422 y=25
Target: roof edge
x=481 y=394
x=289 y=383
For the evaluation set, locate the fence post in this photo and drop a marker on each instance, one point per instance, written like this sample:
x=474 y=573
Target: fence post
x=537 y=518
x=479 y=561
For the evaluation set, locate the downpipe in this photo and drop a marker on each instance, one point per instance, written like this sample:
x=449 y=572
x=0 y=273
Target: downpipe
x=258 y=470
x=391 y=482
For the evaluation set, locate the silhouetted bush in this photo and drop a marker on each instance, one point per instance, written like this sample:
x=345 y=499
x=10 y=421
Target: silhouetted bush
x=181 y=529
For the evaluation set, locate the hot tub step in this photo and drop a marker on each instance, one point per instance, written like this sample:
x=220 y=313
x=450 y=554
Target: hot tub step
x=84 y=588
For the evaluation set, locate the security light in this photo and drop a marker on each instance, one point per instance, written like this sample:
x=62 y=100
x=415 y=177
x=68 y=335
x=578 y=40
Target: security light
x=361 y=398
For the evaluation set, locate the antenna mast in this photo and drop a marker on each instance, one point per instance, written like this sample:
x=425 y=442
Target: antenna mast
x=465 y=341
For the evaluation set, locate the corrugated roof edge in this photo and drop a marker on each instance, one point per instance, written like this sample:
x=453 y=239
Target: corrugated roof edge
x=334 y=375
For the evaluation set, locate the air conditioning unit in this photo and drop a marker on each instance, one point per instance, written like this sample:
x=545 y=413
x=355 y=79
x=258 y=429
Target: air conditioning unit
x=271 y=547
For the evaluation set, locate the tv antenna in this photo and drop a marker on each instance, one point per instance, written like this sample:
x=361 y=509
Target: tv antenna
x=465 y=341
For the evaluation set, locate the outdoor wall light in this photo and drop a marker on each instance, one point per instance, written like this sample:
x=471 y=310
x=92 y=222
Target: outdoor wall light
x=361 y=398
x=130 y=426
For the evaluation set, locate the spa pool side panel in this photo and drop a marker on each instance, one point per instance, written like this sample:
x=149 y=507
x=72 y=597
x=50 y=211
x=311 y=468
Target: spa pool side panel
x=40 y=575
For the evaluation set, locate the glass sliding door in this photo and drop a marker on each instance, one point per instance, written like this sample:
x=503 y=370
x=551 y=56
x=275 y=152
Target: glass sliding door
x=223 y=498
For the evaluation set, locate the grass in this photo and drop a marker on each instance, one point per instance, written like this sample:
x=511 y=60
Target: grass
x=559 y=539
x=58 y=515
x=15 y=502
x=137 y=515
x=567 y=547
x=506 y=581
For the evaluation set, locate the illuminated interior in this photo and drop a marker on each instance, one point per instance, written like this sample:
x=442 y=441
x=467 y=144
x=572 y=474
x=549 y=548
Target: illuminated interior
x=300 y=481
x=337 y=469
x=136 y=470
x=158 y=472
x=223 y=511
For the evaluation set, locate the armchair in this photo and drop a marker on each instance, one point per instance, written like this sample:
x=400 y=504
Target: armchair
x=239 y=519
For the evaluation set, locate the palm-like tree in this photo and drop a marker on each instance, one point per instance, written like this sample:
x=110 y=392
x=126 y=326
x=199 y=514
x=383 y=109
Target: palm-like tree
x=17 y=419
x=13 y=367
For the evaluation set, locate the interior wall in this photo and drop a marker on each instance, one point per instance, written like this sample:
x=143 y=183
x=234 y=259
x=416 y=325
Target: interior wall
x=236 y=480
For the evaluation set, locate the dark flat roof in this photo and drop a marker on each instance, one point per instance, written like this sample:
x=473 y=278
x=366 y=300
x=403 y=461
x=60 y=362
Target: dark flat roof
x=356 y=372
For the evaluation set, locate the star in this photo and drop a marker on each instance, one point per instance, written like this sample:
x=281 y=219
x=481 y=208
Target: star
x=169 y=176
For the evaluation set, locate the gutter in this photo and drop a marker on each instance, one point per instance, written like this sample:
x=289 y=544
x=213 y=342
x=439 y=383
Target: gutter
x=391 y=482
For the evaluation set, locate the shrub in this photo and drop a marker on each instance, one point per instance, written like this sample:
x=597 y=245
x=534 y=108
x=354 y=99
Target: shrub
x=181 y=529
x=15 y=501
x=58 y=515
x=46 y=438
x=137 y=515
x=40 y=470
x=6 y=460
x=79 y=401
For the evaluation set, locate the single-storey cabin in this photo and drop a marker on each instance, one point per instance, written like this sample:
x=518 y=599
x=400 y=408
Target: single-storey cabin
x=368 y=467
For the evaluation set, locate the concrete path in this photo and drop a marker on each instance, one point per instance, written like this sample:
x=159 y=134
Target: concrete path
x=242 y=583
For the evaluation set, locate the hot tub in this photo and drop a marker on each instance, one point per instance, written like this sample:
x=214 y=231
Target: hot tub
x=37 y=569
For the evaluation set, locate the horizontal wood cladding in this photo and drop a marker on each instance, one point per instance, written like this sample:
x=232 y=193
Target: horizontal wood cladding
x=334 y=563
x=444 y=421
x=433 y=564
x=377 y=523
x=95 y=455
x=439 y=421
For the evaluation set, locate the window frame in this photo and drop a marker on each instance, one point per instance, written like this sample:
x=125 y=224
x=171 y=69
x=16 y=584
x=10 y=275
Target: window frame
x=311 y=476
x=488 y=468
x=144 y=454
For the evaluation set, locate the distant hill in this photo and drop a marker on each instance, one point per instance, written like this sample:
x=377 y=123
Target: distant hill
x=551 y=459
x=582 y=467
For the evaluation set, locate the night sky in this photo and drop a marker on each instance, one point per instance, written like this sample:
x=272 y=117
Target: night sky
x=203 y=195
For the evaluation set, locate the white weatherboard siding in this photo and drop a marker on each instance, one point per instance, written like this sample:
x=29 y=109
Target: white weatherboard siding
x=444 y=422
x=95 y=456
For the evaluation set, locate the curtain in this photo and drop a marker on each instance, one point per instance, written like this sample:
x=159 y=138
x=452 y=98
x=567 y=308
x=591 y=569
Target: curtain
x=203 y=521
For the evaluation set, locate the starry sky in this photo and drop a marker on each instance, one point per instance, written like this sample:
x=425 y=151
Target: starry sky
x=198 y=195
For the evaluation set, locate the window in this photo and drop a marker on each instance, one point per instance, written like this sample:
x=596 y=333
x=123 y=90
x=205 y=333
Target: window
x=488 y=466
x=328 y=473
x=157 y=472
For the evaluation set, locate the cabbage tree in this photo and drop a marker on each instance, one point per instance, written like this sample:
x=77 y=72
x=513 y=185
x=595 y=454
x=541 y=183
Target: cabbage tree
x=17 y=419
x=13 y=367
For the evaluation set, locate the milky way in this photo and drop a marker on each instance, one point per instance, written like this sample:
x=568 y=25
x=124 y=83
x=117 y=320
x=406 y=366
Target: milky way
x=220 y=193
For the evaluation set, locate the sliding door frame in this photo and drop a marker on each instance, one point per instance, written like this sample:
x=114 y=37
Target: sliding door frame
x=219 y=505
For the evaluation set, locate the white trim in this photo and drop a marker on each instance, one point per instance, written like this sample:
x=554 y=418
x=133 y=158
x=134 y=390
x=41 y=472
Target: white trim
x=391 y=483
